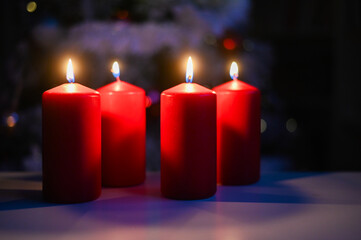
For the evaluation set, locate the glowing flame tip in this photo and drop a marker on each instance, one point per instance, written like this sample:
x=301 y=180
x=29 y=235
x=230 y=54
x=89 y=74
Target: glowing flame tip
x=233 y=72
x=189 y=73
x=70 y=72
x=115 y=69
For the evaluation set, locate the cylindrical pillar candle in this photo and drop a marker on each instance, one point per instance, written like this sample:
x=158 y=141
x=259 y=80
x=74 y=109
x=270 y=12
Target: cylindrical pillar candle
x=123 y=133
x=71 y=143
x=238 y=132
x=188 y=141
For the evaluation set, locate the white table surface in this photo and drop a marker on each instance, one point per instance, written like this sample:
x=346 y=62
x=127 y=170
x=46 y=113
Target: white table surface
x=281 y=206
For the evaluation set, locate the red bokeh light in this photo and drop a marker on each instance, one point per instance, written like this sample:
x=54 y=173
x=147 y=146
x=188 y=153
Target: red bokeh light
x=148 y=102
x=229 y=44
x=122 y=14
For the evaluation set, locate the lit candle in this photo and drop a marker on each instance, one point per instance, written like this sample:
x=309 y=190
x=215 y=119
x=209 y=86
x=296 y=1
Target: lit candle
x=188 y=140
x=123 y=132
x=238 y=131
x=71 y=142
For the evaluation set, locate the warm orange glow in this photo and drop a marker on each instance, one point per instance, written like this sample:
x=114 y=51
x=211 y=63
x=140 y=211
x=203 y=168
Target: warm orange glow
x=233 y=71
x=189 y=72
x=11 y=121
x=70 y=72
x=229 y=44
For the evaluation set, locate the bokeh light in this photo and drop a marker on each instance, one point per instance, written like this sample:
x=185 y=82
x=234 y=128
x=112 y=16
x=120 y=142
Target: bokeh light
x=148 y=101
x=154 y=96
x=31 y=7
x=229 y=44
x=12 y=119
x=263 y=125
x=210 y=39
x=291 y=125
x=248 y=45
x=122 y=14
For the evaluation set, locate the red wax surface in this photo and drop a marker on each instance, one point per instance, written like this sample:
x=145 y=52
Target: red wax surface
x=123 y=134
x=238 y=133
x=188 y=142
x=71 y=144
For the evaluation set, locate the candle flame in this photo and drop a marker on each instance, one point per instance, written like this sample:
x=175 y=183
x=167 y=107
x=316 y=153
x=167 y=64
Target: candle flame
x=189 y=73
x=70 y=72
x=234 y=71
x=115 y=69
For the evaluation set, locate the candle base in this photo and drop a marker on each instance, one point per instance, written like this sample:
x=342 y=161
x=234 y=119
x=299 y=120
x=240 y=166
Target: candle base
x=177 y=196
x=53 y=199
x=238 y=182
x=123 y=184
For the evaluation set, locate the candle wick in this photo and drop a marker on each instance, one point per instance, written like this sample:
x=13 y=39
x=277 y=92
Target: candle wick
x=189 y=78
x=234 y=77
x=118 y=79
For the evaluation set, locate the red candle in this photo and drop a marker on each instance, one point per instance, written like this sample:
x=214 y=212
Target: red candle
x=123 y=133
x=188 y=140
x=71 y=143
x=238 y=132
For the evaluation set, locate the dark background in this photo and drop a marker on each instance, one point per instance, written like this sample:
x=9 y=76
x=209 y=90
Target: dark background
x=304 y=56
